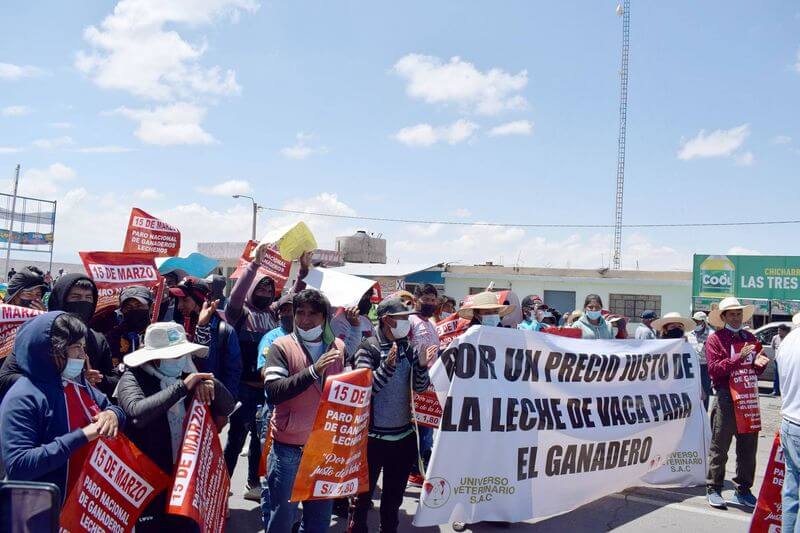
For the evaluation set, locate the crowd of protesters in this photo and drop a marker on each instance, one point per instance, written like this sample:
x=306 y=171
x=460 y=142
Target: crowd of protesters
x=260 y=359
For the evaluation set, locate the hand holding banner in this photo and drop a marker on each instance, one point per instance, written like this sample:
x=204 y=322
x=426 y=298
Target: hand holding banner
x=334 y=462
x=116 y=484
x=200 y=487
x=273 y=265
x=149 y=235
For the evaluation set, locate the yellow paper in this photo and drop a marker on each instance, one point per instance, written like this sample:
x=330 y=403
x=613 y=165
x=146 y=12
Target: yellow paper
x=296 y=242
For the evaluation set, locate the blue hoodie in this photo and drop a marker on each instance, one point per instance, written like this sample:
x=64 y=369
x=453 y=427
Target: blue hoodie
x=36 y=441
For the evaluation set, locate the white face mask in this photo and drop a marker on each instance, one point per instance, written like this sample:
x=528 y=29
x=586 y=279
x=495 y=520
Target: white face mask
x=401 y=329
x=700 y=328
x=731 y=328
x=310 y=335
x=73 y=369
x=490 y=320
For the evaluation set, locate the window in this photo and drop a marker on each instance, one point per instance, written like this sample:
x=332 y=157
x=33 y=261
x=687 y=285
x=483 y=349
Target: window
x=633 y=305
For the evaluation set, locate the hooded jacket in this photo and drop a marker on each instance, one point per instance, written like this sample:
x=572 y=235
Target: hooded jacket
x=36 y=441
x=22 y=280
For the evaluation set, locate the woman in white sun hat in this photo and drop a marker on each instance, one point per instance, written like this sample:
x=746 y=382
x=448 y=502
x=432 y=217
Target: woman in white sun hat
x=673 y=326
x=155 y=391
x=729 y=348
x=485 y=310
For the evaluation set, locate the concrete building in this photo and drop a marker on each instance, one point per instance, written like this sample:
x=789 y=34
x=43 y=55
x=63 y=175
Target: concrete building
x=362 y=248
x=627 y=292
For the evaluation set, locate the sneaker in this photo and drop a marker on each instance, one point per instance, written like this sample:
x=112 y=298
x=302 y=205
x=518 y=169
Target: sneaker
x=416 y=480
x=744 y=498
x=253 y=493
x=459 y=526
x=715 y=500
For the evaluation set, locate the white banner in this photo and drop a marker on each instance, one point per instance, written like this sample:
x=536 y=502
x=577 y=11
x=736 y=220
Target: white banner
x=536 y=425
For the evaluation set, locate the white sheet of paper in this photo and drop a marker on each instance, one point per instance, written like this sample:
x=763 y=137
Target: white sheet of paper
x=342 y=290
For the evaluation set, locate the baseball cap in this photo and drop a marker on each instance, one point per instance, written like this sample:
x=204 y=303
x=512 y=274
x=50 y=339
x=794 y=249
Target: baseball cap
x=700 y=316
x=137 y=292
x=649 y=315
x=530 y=300
x=195 y=288
x=394 y=307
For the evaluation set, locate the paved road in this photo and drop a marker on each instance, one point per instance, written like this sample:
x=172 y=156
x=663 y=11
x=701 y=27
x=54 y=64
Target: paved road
x=636 y=510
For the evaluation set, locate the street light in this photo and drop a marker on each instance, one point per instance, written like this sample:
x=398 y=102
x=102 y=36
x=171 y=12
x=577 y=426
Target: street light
x=255 y=211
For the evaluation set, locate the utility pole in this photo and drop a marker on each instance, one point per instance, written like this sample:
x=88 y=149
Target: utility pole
x=11 y=223
x=255 y=212
x=623 y=10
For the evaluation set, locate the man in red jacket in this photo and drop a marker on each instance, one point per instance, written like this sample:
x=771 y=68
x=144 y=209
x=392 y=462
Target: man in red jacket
x=728 y=349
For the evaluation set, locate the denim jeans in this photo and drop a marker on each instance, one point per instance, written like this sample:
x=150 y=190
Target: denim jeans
x=243 y=422
x=790 y=441
x=284 y=461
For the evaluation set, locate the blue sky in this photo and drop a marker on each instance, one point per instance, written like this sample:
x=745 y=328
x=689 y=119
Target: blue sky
x=467 y=111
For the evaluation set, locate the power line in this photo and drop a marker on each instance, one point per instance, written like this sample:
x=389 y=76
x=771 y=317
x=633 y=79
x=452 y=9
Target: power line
x=566 y=226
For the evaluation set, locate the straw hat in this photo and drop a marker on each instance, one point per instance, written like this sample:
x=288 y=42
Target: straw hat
x=484 y=300
x=673 y=318
x=796 y=319
x=729 y=304
x=164 y=340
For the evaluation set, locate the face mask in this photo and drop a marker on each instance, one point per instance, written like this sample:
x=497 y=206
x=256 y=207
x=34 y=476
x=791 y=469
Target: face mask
x=84 y=310
x=261 y=302
x=490 y=320
x=364 y=307
x=400 y=331
x=137 y=319
x=731 y=328
x=172 y=368
x=73 y=369
x=427 y=310
x=310 y=335
x=699 y=328
x=676 y=333
x=287 y=323
x=593 y=315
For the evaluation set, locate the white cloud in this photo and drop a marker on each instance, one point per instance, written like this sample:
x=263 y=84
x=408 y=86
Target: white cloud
x=461 y=213
x=173 y=124
x=797 y=63
x=741 y=250
x=303 y=148
x=11 y=72
x=16 y=110
x=104 y=149
x=718 y=143
x=148 y=194
x=427 y=135
x=10 y=149
x=53 y=143
x=744 y=159
x=61 y=125
x=518 y=127
x=324 y=229
x=43 y=182
x=459 y=82
x=138 y=49
x=781 y=139
x=227 y=188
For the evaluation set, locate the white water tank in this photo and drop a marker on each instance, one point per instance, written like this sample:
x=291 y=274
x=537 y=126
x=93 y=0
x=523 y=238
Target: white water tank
x=362 y=248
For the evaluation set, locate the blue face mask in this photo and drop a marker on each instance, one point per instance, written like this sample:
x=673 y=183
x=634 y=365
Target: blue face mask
x=490 y=320
x=734 y=330
x=593 y=315
x=73 y=369
x=172 y=368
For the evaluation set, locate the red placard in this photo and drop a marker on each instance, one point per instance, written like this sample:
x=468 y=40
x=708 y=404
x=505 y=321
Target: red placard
x=200 y=486
x=573 y=333
x=273 y=265
x=116 y=484
x=768 y=513
x=11 y=318
x=744 y=391
x=149 y=235
x=427 y=409
x=334 y=462
x=114 y=271
x=450 y=328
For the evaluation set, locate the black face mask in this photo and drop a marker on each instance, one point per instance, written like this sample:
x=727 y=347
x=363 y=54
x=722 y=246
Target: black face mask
x=261 y=302
x=427 y=310
x=24 y=303
x=136 y=319
x=287 y=323
x=675 y=333
x=364 y=306
x=83 y=309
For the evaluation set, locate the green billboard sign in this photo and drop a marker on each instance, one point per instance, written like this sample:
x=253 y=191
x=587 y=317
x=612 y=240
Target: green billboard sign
x=746 y=276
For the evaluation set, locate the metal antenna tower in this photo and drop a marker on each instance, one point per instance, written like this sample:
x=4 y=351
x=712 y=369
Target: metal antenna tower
x=624 y=10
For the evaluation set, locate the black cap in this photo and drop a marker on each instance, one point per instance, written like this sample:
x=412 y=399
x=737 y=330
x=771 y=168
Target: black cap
x=25 y=279
x=394 y=307
x=138 y=292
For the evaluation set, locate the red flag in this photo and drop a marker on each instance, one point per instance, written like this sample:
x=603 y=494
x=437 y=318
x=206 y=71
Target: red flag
x=114 y=271
x=200 y=487
x=117 y=482
x=273 y=265
x=149 y=235
x=334 y=462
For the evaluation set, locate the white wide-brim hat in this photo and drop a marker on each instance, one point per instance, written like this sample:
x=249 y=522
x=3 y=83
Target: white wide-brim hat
x=673 y=318
x=164 y=340
x=484 y=300
x=729 y=304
